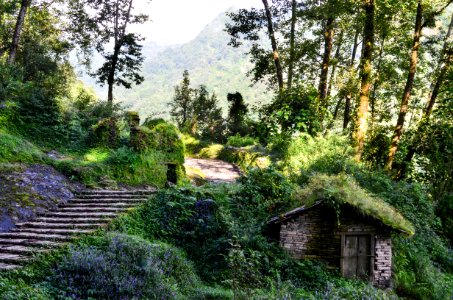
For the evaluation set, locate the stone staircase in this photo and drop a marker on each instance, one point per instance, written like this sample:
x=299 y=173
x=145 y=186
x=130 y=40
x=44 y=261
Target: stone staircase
x=90 y=210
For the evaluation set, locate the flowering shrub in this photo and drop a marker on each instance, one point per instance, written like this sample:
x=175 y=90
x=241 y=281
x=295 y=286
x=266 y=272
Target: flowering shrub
x=128 y=268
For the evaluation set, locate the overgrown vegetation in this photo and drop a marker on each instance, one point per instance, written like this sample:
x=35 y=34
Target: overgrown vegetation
x=342 y=189
x=213 y=241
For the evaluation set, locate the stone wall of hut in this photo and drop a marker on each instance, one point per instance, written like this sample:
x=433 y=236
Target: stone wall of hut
x=316 y=234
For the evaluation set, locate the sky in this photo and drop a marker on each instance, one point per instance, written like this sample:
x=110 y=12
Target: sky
x=180 y=21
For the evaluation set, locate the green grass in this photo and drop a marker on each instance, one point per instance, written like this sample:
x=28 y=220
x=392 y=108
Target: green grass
x=108 y=167
x=344 y=190
x=241 y=141
x=211 y=152
x=17 y=149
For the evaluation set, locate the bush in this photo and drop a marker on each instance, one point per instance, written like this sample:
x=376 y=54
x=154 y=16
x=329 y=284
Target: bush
x=241 y=141
x=128 y=267
x=294 y=110
x=192 y=145
x=106 y=133
x=306 y=154
x=211 y=152
x=244 y=158
x=343 y=289
x=168 y=139
x=190 y=219
x=264 y=193
x=18 y=289
x=108 y=167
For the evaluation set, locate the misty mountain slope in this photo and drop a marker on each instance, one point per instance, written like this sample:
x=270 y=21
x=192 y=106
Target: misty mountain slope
x=208 y=59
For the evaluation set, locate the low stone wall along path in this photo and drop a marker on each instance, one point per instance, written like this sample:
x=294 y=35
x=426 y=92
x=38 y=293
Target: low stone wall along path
x=90 y=210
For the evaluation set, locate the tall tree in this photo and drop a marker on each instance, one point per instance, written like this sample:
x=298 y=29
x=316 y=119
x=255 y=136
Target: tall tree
x=101 y=23
x=292 y=43
x=181 y=107
x=408 y=88
x=365 y=74
x=18 y=30
x=275 y=53
x=348 y=96
x=328 y=38
x=441 y=70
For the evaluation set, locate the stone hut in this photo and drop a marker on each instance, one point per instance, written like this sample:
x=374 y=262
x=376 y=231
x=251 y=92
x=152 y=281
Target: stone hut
x=354 y=236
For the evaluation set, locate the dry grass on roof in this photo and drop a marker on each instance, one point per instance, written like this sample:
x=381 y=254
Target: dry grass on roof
x=343 y=189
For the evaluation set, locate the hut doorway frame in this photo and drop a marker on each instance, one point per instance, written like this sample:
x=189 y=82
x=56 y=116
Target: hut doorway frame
x=346 y=259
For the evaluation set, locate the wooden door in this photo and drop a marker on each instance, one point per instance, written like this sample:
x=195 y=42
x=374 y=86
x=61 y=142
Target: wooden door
x=356 y=256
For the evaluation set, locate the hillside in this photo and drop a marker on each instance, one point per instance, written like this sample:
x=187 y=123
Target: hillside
x=209 y=60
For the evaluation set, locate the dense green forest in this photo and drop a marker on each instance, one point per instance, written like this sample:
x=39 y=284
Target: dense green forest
x=357 y=113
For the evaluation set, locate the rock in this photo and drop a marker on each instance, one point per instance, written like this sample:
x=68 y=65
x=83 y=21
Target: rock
x=27 y=191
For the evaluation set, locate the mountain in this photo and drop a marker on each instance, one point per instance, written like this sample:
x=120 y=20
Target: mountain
x=209 y=60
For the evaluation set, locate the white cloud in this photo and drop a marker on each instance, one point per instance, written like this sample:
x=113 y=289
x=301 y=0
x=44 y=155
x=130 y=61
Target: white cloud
x=179 y=21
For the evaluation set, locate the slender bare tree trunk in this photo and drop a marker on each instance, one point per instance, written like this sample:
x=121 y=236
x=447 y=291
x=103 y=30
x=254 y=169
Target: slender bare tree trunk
x=365 y=74
x=376 y=81
x=408 y=88
x=332 y=78
x=348 y=98
x=291 y=43
x=328 y=37
x=18 y=30
x=270 y=28
x=334 y=66
x=442 y=68
x=119 y=33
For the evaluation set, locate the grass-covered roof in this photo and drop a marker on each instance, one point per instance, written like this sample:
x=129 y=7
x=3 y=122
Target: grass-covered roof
x=343 y=189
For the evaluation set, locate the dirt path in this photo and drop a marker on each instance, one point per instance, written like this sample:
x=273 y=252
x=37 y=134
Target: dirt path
x=212 y=170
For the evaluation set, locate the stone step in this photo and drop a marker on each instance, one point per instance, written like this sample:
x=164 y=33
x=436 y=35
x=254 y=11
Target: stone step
x=95 y=204
x=130 y=192
x=60 y=225
x=22 y=250
x=80 y=215
x=16 y=259
x=105 y=200
x=5 y=267
x=30 y=242
x=34 y=236
x=91 y=209
x=81 y=220
x=111 y=196
x=53 y=231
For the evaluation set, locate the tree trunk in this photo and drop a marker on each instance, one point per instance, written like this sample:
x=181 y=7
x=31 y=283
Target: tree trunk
x=291 y=43
x=332 y=78
x=443 y=66
x=376 y=81
x=18 y=30
x=334 y=66
x=112 y=71
x=119 y=33
x=270 y=28
x=366 y=67
x=322 y=88
x=348 y=98
x=408 y=88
